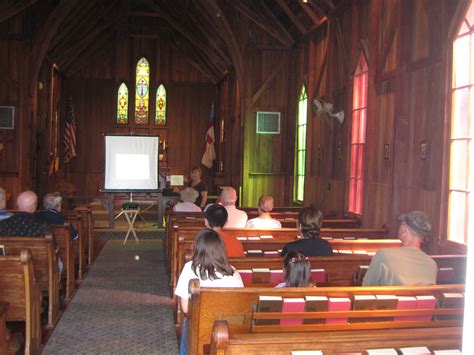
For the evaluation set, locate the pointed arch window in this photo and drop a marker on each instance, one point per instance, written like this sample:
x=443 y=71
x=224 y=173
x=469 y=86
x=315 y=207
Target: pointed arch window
x=160 y=116
x=300 y=151
x=359 y=116
x=461 y=163
x=122 y=104
x=142 y=91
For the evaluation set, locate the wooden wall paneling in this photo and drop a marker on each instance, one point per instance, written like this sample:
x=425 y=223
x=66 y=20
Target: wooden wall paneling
x=388 y=35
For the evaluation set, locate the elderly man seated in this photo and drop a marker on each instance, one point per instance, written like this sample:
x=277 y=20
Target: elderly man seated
x=188 y=197
x=52 y=212
x=236 y=218
x=407 y=265
x=24 y=222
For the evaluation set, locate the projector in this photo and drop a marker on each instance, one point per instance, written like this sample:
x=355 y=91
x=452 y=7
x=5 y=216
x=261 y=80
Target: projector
x=130 y=205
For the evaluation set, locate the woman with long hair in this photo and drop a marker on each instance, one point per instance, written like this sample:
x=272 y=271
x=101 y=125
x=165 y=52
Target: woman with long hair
x=210 y=266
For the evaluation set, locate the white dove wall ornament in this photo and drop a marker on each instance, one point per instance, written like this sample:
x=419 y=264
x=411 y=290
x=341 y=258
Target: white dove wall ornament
x=320 y=107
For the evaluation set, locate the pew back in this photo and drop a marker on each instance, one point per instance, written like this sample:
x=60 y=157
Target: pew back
x=62 y=235
x=19 y=287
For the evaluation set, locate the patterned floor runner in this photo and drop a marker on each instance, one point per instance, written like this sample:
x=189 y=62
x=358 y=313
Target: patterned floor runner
x=122 y=307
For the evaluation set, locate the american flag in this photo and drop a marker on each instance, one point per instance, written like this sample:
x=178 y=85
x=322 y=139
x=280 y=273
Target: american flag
x=70 y=133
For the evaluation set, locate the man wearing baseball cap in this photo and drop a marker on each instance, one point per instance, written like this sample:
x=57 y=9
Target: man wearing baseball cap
x=407 y=265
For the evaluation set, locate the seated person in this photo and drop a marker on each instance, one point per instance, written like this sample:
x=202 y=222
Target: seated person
x=236 y=218
x=188 y=197
x=297 y=270
x=3 y=203
x=24 y=223
x=52 y=212
x=210 y=266
x=264 y=219
x=309 y=223
x=215 y=218
x=407 y=265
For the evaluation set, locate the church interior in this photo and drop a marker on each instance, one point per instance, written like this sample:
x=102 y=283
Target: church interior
x=360 y=109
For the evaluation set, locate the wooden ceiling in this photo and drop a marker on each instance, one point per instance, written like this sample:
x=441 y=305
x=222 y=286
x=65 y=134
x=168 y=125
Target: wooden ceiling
x=70 y=32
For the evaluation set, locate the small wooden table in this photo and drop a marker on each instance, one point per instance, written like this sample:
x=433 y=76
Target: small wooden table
x=130 y=216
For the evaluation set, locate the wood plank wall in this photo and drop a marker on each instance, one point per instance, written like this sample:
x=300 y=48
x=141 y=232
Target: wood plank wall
x=94 y=93
x=406 y=107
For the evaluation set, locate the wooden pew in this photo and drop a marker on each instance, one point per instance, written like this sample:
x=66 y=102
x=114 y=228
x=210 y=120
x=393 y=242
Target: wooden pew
x=62 y=235
x=79 y=244
x=4 y=332
x=45 y=264
x=19 y=287
x=225 y=343
x=88 y=227
x=284 y=235
x=236 y=306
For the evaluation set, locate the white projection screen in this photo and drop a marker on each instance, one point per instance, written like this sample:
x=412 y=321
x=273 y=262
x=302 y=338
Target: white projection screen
x=131 y=163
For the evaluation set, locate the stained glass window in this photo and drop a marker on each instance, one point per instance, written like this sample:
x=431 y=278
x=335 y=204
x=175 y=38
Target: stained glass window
x=300 y=151
x=461 y=166
x=142 y=87
x=122 y=104
x=359 y=115
x=160 y=116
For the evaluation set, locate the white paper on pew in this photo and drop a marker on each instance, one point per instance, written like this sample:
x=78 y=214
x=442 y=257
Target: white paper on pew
x=360 y=252
x=241 y=238
x=266 y=237
x=253 y=238
x=307 y=352
x=447 y=352
x=418 y=350
x=388 y=351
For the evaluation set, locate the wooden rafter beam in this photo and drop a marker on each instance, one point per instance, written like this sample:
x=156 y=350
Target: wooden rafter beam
x=71 y=23
x=211 y=7
x=45 y=35
x=309 y=12
x=7 y=11
x=389 y=36
x=292 y=16
x=270 y=78
x=191 y=37
x=274 y=20
x=92 y=27
x=260 y=21
x=97 y=47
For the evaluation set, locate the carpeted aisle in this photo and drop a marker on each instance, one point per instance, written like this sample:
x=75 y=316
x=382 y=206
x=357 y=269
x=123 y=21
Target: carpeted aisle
x=122 y=307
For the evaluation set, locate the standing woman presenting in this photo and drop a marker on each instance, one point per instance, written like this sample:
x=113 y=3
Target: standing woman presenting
x=199 y=185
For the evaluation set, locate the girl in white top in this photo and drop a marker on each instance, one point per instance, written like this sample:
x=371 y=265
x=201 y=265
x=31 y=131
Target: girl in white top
x=209 y=265
x=264 y=219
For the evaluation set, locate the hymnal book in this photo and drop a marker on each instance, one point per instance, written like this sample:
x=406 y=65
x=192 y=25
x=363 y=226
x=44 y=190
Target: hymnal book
x=425 y=302
x=269 y=304
x=404 y=303
x=261 y=276
x=363 y=303
x=246 y=276
x=253 y=238
x=445 y=275
x=386 y=302
x=292 y=305
x=418 y=350
x=360 y=252
x=254 y=252
x=360 y=273
x=270 y=253
x=276 y=277
x=266 y=237
x=388 y=351
x=451 y=300
x=306 y=352
x=241 y=238
x=318 y=276
x=315 y=304
x=447 y=352
x=338 y=304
